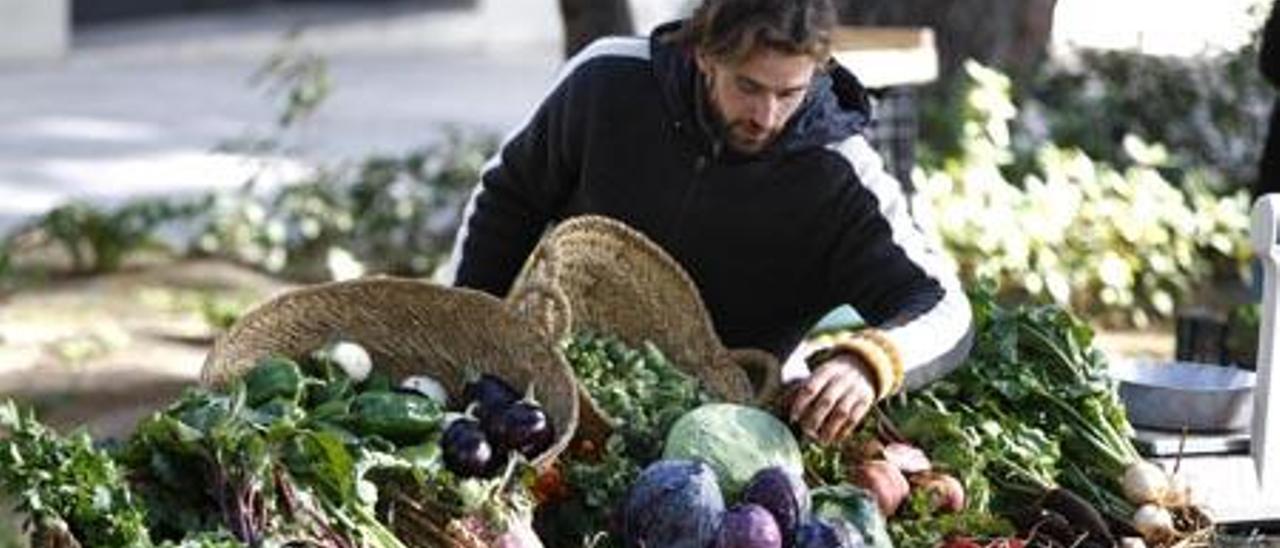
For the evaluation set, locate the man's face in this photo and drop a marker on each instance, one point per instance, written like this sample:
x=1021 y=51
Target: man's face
x=755 y=98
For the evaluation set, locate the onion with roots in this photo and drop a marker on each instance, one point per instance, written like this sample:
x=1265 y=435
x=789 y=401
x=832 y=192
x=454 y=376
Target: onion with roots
x=1179 y=493
x=1153 y=522
x=1144 y=482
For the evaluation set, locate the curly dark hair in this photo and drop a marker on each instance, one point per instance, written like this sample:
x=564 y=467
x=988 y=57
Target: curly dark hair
x=729 y=30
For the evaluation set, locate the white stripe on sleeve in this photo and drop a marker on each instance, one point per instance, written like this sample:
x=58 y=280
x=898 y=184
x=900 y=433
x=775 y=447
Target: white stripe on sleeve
x=935 y=342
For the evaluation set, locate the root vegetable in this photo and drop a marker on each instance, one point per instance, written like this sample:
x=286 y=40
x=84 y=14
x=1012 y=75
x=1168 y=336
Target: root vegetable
x=885 y=482
x=946 y=492
x=908 y=458
x=1145 y=482
x=748 y=526
x=1154 y=522
x=1179 y=493
x=1079 y=513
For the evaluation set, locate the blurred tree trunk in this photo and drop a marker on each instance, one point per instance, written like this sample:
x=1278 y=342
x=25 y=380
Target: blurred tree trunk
x=586 y=20
x=1011 y=35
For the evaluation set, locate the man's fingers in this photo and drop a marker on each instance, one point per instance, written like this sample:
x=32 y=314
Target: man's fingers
x=811 y=390
x=832 y=394
x=859 y=411
x=840 y=417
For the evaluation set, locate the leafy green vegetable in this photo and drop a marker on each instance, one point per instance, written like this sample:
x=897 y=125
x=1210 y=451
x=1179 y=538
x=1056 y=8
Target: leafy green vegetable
x=641 y=387
x=1031 y=410
x=213 y=469
x=65 y=479
x=647 y=393
x=736 y=441
x=856 y=506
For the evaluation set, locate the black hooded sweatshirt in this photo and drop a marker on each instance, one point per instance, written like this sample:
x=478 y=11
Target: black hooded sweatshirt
x=773 y=240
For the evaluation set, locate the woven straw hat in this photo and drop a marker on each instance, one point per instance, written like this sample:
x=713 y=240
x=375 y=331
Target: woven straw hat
x=410 y=327
x=619 y=282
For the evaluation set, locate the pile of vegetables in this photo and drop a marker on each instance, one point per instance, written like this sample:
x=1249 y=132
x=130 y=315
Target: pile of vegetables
x=679 y=503
x=290 y=454
x=647 y=393
x=927 y=500
x=1026 y=444
x=498 y=423
x=679 y=470
x=1033 y=416
x=727 y=453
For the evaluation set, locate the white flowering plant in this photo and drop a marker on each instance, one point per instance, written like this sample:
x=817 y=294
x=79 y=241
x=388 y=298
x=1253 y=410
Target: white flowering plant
x=1123 y=245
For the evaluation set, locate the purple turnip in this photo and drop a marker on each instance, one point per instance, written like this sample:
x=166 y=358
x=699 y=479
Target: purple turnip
x=748 y=526
x=784 y=494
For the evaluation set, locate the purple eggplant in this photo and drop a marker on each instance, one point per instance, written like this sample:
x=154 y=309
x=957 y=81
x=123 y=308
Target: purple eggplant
x=524 y=427
x=748 y=526
x=490 y=395
x=467 y=451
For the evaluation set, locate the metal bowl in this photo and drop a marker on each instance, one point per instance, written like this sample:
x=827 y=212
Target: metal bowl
x=1173 y=395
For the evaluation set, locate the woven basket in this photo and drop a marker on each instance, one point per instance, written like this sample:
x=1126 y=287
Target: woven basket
x=410 y=327
x=619 y=282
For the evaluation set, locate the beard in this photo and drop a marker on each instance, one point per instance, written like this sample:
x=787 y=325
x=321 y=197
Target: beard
x=748 y=137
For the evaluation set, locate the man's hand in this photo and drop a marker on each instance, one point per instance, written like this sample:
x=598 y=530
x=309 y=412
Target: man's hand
x=834 y=399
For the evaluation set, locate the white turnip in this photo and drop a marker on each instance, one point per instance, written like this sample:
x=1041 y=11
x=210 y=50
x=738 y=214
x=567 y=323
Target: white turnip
x=1145 y=482
x=1153 y=522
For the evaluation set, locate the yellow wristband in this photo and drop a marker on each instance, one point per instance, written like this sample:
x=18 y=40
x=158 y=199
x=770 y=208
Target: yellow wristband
x=877 y=362
x=895 y=358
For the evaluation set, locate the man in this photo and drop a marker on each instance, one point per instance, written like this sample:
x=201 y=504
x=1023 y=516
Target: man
x=731 y=141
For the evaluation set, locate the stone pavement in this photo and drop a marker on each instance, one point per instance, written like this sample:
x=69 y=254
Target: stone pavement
x=137 y=107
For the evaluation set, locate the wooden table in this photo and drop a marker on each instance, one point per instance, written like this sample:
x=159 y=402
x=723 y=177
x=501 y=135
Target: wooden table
x=884 y=57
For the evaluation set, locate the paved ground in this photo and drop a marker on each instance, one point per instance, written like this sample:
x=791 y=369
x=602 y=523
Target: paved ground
x=137 y=108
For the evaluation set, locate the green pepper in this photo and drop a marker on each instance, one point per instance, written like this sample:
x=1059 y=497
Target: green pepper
x=378 y=381
x=278 y=409
x=321 y=393
x=330 y=410
x=400 y=417
x=346 y=436
x=273 y=377
x=425 y=456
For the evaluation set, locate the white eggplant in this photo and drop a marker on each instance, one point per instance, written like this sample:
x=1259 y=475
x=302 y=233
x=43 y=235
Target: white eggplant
x=352 y=358
x=427 y=386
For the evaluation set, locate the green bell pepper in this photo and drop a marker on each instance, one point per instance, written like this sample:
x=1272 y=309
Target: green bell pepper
x=401 y=417
x=271 y=378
